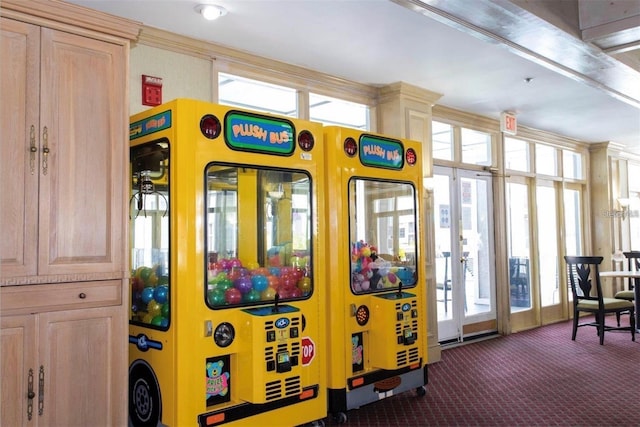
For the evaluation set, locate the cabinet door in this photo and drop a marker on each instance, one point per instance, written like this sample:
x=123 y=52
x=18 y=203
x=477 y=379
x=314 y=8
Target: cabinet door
x=18 y=371
x=83 y=89
x=19 y=91
x=84 y=355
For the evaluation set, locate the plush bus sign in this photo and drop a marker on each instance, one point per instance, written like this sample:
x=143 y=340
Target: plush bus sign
x=381 y=152
x=253 y=132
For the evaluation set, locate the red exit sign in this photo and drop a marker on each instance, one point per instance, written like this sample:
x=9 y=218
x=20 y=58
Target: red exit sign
x=508 y=123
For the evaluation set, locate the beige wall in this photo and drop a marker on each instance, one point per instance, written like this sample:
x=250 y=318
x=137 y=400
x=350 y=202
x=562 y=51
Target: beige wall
x=183 y=76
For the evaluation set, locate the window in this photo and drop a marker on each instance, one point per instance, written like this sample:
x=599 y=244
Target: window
x=268 y=252
x=546 y=160
x=333 y=111
x=573 y=220
x=519 y=248
x=442 y=135
x=476 y=147
x=516 y=154
x=382 y=218
x=149 y=221
x=256 y=95
x=634 y=205
x=572 y=164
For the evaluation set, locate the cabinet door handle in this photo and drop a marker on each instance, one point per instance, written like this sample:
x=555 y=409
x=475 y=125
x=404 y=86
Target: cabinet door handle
x=30 y=395
x=41 y=391
x=32 y=148
x=45 y=150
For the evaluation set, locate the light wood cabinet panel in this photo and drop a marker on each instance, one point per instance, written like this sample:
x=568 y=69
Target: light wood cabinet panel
x=81 y=351
x=20 y=91
x=18 y=370
x=62 y=156
x=72 y=362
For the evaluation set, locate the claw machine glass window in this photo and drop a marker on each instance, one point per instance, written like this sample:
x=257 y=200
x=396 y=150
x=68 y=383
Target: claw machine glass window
x=382 y=227
x=149 y=217
x=258 y=235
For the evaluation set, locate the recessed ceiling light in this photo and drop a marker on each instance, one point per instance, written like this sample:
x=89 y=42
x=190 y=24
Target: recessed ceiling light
x=211 y=11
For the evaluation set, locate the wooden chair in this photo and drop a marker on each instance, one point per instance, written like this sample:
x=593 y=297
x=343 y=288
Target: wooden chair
x=633 y=259
x=584 y=278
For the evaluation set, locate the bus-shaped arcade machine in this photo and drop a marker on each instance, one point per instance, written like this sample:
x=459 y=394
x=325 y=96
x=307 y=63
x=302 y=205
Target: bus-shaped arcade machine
x=377 y=335
x=225 y=295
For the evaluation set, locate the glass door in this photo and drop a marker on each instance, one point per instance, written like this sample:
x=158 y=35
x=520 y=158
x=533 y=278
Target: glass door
x=552 y=295
x=464 y=254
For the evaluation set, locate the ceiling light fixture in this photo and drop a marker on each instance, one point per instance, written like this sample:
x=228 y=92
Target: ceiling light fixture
x=211 y=12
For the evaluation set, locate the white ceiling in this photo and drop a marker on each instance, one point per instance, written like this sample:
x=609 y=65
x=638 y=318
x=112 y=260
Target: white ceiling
x=476 y=53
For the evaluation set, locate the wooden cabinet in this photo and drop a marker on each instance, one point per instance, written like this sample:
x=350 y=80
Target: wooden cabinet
x=61 y=156
x=64 y=368
x=63 y=215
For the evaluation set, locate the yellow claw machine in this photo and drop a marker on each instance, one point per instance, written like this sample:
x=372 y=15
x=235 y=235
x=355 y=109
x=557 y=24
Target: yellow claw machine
x=227 y=298
x=376 y=305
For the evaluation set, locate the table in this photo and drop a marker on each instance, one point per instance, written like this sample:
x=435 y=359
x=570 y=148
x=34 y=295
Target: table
x=636 y=286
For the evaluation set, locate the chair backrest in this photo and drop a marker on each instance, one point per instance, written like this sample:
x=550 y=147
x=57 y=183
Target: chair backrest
x=633 y=258
x=584 y=277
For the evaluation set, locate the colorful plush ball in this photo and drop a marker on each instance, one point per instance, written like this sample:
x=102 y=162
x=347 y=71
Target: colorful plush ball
x=243 y=284
x=288 y=282
x=260 y=283
x=252 y=265
x=304 y=284
x=262 y=271
x=147 y=294
x=154 y=307
x=252 y=296
x=225 y=264
x=235 y=263
x=165 y=311
x=295 y=293
x=392 y=278
x=268 y=294
x=275 y=271
x=233 y=296
x=225 y=284
x=216 y=297
x=158 y=321
x=274 y=281
x=161 y=294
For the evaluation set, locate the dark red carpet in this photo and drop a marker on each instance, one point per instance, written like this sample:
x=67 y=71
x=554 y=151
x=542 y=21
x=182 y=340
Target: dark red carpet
x=534 y=378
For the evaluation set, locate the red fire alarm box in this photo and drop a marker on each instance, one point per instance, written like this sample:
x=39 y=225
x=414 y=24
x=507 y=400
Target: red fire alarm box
x=151 y=90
